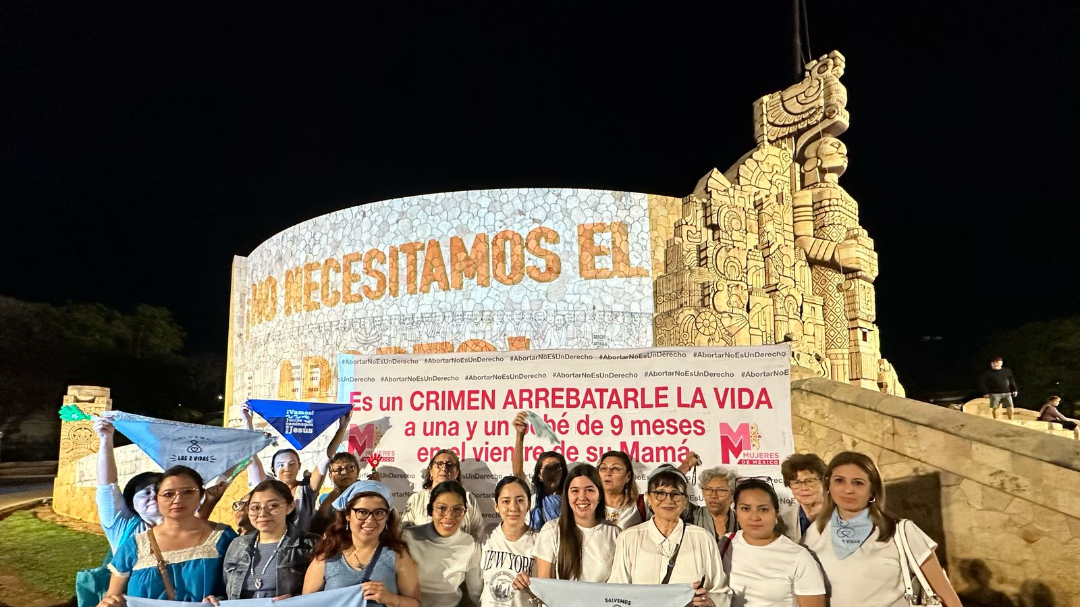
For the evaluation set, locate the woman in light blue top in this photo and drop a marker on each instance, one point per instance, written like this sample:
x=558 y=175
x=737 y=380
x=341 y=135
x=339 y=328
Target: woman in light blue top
x=362 y=547
x=193 y=549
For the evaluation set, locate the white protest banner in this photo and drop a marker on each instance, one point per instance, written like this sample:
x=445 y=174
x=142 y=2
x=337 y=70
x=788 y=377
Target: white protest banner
x=732 y=406
x=561 y=593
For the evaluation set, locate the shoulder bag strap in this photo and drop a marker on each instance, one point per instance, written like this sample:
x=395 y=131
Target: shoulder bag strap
x=170 y=591
x=371 y=563
x=930 y=597
x=674 y=555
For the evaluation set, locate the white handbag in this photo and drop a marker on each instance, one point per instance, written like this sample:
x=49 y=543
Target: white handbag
x=909 y=565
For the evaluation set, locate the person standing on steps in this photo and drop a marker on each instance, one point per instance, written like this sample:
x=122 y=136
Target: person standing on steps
x=999 y=385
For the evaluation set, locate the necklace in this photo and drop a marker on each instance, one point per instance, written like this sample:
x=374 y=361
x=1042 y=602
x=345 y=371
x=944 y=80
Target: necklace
x=359 y=566
x=258 y=583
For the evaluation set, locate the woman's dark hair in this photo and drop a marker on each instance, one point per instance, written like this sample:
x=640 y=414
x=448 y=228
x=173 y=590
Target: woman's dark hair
x=273 y=458
x=885 y=522
x=668 y=478
x=798 y=462
x=183 y=471
x=431 y=464
x=510 y=480
x=338 y=537
x=630 y=490
x=446 y=487
x=278 y=487
x=345 y=456
x=538 y=483
x=137 y=483
x=571 y=541
x=757 y=484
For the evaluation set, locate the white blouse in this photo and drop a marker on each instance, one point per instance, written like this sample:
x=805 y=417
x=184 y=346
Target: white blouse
x=772 y=575
x=597 y=550
x=870 y=577
x=642 y=554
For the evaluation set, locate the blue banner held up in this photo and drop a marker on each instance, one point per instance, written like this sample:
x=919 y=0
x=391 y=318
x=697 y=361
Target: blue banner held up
x=299 y=422
x=209 y=450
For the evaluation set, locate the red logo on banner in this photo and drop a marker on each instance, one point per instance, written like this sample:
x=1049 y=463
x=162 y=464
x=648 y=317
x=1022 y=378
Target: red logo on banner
x=374 y=460
x=744 y=437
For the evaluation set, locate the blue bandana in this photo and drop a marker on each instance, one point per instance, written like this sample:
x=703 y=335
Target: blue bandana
x=364 y=486
x=848 y=535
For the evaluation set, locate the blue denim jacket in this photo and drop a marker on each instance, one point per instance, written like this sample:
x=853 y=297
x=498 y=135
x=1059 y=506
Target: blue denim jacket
x=292 y=562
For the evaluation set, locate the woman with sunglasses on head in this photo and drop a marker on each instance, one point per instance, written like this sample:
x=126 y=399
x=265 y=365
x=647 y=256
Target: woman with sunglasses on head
x=802 y=474
x=547 y=479
x=285 y=467
x=447 y=558
x=853 y=540
x=507 y=551
x=240 y=514
x=272 y=561
x=361 y=547
x=191 y=548
x=580 y=544
x=443 y=466
x=766 y=568
x=666 y=550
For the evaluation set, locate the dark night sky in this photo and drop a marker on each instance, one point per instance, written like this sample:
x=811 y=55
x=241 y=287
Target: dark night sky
x=143 y=145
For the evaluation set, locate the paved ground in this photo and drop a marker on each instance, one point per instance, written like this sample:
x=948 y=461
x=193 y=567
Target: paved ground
x=16 y=492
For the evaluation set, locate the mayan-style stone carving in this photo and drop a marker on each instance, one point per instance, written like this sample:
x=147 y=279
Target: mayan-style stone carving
x=772 y=249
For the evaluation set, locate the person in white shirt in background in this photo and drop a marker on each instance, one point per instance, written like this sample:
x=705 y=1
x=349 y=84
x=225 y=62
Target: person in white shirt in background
x=447 y=558
x=667 y=550
x=767 y=569
x=853 y=540
x=625 y=507
x=443 y=466
x=580 y=544
x=507 y=551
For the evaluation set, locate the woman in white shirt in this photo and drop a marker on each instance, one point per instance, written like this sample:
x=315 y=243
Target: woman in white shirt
x=443 y=466
x=767 y=569
x=508 y=549
x=447 y=558
x=624 y=506
x=580 y=544
x=667 y=550
x=853 y=540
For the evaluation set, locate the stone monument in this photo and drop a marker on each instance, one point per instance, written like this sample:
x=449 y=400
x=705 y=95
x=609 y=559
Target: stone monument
x=772 y=249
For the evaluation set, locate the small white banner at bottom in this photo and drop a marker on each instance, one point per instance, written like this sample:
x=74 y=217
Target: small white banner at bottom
x=561 y=593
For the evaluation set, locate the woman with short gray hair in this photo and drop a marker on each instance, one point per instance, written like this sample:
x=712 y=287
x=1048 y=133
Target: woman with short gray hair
x=716 y=516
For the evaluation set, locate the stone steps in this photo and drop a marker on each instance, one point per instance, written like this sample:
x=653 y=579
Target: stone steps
x=1024 y=418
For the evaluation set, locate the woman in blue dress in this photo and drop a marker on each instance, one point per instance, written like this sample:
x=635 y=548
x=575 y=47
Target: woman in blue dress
x=192 y=548
x=362 y=547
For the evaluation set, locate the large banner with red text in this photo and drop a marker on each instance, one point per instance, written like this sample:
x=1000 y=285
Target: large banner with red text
x=732 y=406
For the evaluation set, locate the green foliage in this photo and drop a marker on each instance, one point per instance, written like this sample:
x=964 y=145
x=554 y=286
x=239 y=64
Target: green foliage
x=47 y=556
x=139 y=356
x=1045 y=357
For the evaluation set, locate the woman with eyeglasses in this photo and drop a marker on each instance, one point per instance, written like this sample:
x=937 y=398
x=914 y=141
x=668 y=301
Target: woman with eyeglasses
x=766 y=568
x=344 y=471
x=192 y=549
x=447 y=558
x=580 y=544
x=272 y=561
x=548 y=477
x=666 y=550
x=853 y=540
x=285 y=467
x=716 y=516
x=361 y=547
x=802 y=474
x=624 y=506
x=443 y=466
x=240 y=514
x=507 y=551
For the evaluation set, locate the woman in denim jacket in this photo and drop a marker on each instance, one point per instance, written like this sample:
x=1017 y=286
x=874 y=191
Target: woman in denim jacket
x=271 y=562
